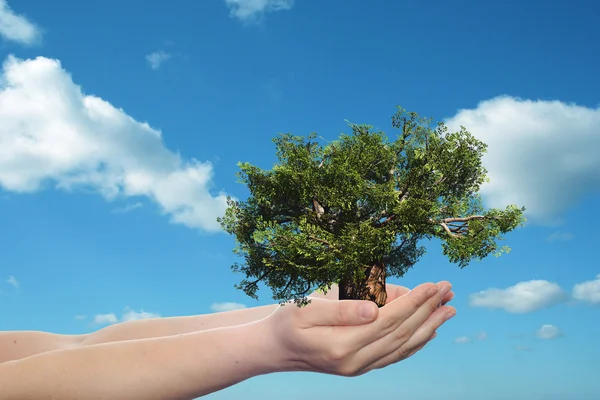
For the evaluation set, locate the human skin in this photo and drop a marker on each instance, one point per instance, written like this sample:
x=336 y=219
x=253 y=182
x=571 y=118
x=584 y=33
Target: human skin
x=326 y=336
x=19 y=344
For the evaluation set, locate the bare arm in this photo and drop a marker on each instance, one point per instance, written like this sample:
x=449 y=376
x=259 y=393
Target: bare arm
x=174 y=367
x=20 y=344
x=158 y=327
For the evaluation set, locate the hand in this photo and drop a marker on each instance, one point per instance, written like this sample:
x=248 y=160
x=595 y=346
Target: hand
x=352 y=337
x=393 y=292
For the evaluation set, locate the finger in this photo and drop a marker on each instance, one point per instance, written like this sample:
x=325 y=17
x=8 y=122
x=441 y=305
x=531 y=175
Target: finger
x=413 y=352
x=395 y=291
x=417 y=342
x=322 y=312
x=393 y=314
x=413 y=312
x=389 y=358
x=448 y=298
x=412 y=323
x=432 y=324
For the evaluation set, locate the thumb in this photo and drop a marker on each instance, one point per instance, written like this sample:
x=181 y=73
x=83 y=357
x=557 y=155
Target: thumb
x=322 y=312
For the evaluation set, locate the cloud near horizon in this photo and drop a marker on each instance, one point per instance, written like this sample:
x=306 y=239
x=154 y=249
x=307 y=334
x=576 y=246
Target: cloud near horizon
x=17 y=28
x=128 y=315
x=52 y=135
x=541 y=154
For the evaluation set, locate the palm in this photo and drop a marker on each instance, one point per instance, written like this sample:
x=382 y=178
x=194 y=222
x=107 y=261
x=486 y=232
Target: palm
x=393 y=292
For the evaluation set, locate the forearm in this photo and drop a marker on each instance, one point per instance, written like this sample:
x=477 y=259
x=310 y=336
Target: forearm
x=167 y=368
x=21 y=344
x=158 y=327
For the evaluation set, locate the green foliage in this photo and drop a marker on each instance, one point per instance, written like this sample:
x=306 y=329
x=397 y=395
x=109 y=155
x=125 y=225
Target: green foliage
x=324 y=212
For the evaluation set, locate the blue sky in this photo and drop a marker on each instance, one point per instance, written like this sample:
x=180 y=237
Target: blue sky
x=121 y=124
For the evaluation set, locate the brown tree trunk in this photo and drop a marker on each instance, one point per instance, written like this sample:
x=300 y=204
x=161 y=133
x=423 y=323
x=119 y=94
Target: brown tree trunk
x=372 y=288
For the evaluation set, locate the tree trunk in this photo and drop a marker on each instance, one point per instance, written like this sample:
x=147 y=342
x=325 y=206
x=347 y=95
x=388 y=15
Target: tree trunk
x=371 y=288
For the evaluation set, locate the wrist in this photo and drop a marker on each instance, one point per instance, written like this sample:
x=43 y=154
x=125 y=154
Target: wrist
x=282 y=355
x=253 y=348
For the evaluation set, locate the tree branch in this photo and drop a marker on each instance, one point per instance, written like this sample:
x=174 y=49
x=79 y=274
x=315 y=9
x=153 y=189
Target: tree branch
x=269 y=271
x=464 y=219
x=448 y=230
x=457 y=231
x=322 y=241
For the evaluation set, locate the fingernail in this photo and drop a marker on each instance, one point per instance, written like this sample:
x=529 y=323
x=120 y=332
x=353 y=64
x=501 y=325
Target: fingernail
x=450 y=314
x=366 y=311
x=445 y=290
x=432 y=291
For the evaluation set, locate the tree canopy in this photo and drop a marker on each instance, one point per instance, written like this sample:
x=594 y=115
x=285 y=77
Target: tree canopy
x=326 y=212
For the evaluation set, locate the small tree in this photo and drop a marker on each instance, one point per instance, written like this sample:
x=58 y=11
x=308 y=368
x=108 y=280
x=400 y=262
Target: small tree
x=353 y=211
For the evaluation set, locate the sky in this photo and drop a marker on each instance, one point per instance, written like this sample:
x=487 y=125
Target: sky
x=121 y=124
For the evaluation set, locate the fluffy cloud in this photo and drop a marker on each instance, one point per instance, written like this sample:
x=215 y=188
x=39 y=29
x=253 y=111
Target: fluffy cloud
x=128 y=315
x=523 y=297
x=156 y=59
x=548 y=332
x=254 y=10
x=541 y=154
x=588 y=292
x=467 y=339
x=16 y=27
x=12 y=281
x=128 y=208
x=105 y=319
x=52 y=134
x=220 y=307
x=131 y=315
x=462 y=340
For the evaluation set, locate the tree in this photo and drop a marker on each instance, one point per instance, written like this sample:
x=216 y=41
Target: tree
x=354 y=210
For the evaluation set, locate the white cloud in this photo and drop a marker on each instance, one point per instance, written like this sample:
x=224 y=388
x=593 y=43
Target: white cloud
x=523 y=297
x=156 y=59
x=105 y=319
x=13 y=282
x=128 y=208
x=548 y=332
x=467 y=339
x=52 y=134
x=462 y=340
x=254 y=10
x=131 y=315
x=588 y=291
x=221 y=307
x=542 y=154
x=16 y=27
x=560 y=237
x=128 y=315
x=80 y=317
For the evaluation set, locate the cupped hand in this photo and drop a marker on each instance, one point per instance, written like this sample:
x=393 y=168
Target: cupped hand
x=393 y=292
x=352 y=337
